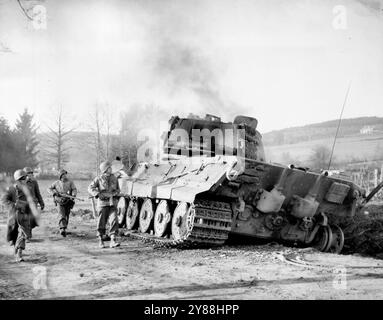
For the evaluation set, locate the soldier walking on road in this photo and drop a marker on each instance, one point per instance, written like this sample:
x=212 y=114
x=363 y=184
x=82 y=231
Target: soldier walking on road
x=33 y=186
x=105 y=188
x=19 y=222
x=60 y=189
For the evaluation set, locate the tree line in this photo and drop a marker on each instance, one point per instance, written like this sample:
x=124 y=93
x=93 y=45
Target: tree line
x=18 y=145
x=103 y=136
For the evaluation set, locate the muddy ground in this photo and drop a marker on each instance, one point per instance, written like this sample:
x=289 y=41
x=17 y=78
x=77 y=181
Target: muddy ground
x=75 y=268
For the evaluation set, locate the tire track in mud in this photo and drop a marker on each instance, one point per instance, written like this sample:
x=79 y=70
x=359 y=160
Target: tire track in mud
x=106 y=271
x=229 y=287
x=254 y=284
x=297 y=259
x=173 y=290
x=24 y=276
x=51 y=252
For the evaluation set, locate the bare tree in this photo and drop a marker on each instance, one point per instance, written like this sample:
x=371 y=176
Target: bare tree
x=108 y=127
x=57 y=141
x=106 y=142
x=133 y=119
x=320 y=156
x=129 y=127
x=103 y=140
x=96 y=125
x=24 y=10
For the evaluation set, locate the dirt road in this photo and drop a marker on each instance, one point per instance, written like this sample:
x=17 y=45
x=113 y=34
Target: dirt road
x=75 y=268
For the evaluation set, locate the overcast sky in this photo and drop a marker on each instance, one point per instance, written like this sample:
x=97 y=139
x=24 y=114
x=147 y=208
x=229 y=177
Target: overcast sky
x=286 y=63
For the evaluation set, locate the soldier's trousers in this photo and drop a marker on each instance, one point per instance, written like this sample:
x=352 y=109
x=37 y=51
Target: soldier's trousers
x=33 y=222
x=106 y=214
x=64 y=212
x=24 y=229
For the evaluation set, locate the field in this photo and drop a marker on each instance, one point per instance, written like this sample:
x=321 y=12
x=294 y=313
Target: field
x=75 y=268
x=361 y=147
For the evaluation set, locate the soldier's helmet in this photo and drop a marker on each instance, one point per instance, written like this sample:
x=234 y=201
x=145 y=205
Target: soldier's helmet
x=105 y=166
x=28 y=170
x=19 y=174
x=62 y=172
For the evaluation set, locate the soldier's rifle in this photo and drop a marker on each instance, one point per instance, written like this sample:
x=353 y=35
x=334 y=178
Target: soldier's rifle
x=92 y=199
x=93 y=207
x=64 y=195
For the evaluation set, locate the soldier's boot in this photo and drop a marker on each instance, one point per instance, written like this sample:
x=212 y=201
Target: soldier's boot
x=101 y=242
x=113 y=242
x=63 y=232
x=19 y=255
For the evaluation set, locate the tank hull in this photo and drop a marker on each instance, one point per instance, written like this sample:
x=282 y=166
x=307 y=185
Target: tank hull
x=205 y=199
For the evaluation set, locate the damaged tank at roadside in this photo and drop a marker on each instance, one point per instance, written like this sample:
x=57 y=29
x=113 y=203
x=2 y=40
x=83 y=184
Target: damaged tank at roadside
x=213 y=181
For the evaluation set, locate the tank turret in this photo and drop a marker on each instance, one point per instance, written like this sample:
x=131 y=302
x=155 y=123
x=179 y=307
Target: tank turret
x=210 y=136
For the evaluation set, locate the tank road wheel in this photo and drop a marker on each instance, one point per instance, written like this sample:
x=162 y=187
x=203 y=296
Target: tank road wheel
x=183 y=221
x=121 y=211
x=162 y=217
x=131 y=214
x=146 y=215
x=337 y=239
x=323 y=238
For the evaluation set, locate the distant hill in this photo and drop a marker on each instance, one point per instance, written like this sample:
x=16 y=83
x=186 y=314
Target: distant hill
x=323 y=130
x=359 y=140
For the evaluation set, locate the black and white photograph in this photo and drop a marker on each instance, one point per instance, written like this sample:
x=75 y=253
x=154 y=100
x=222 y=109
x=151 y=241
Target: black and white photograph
x=205 y=151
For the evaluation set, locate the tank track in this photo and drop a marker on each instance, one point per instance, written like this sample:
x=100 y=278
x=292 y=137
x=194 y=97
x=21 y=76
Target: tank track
x=210 y=227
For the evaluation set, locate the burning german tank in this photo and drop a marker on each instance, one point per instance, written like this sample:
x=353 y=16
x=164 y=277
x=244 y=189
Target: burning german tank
x=212 y=180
